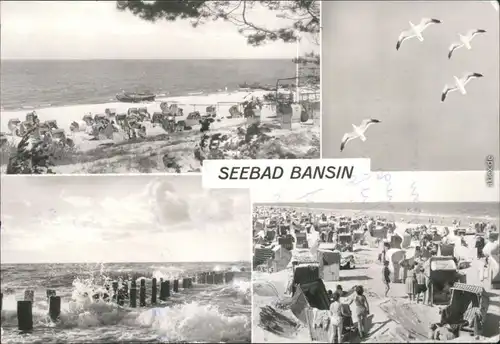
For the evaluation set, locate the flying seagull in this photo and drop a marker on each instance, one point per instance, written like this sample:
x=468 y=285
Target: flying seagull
x=464 y=41
x=358 y=132
x=459 y=84
x=416 y=30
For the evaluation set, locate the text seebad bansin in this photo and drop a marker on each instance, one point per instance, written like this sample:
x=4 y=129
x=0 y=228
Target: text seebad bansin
x=277 y=172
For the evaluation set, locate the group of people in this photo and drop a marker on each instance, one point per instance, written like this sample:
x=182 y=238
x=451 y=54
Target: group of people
x=340 y=313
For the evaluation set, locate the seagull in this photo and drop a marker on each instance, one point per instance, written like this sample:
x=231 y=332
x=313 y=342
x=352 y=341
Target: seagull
x=358 y=132
x=459 y=84
x=495 y=4
x=464 y=41
x=416 y=30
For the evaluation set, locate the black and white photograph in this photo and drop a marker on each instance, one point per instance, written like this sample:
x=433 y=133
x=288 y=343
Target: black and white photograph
x=376 y=273
x=411 y=85
x=124 y=259
x=92 y=87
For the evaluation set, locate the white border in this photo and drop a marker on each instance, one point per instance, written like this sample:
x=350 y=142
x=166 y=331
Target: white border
x=320 y=79
x=430 y=186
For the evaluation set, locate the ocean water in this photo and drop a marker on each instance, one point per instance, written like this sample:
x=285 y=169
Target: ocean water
x=32 y=84
x=204 y=313
x=477 y=209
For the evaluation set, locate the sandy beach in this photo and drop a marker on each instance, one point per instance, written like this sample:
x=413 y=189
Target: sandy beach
x=150 y=154
x=393 y=318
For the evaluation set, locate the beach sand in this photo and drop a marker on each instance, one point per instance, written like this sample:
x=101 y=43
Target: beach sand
x=392 y=317
x=120 y=155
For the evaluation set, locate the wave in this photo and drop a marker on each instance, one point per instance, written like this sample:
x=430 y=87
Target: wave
x=179 y=319
x=194 y=322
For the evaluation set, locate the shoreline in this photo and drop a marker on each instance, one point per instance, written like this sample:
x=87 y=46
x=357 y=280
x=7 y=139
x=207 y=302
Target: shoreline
x=160 y=97
x=383 y=213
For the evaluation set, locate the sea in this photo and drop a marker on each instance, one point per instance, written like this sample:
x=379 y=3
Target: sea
x=460 y=209
x=203 y=313
x=27 y=84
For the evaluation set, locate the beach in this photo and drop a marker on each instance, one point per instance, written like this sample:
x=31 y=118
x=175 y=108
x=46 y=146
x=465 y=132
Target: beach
x=203 y=313
x=120 y=155
x=192 y=85
x=393 y=318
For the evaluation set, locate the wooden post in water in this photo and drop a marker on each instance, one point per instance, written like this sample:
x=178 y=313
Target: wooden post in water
x=164 y=290
x=184 y=283
x=210 y=278
x=1 y=301
x=115 y=291
x=24 y=315
x=229 y=276
x=133 y=294
x=167 y=289
x=142 y=293
x=203 y=280
x=54 y=307
x=125 y=289
x=50 y=292
x=154 y=291
x=176 y=286
x=29 y=295
x=190 y=282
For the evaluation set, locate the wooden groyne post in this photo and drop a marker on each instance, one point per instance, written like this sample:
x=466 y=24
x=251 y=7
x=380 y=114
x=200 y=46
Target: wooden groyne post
x=50 y=292
x=210 y=278
x=133 y=294
x=25 y=315
x=142 y=293
x=176 y=286
x=54 y=307
x=115 y=290
x=154 y=291
x=164 y=290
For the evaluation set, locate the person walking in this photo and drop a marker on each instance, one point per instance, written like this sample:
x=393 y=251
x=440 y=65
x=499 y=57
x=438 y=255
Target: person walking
x=335 y=319
x=386 y=277
x=421 y=285
x=362 y=311
x=411 y=284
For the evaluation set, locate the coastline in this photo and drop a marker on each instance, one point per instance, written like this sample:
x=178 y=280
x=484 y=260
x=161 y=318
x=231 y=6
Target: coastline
x=160 y=151
x=414 y=217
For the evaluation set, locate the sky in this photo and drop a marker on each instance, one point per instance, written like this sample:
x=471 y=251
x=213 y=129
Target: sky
x=122 y=219
x=97 y=30
x=364 y=76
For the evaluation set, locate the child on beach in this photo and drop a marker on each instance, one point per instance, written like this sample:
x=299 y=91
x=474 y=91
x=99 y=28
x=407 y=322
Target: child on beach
x=335 y=320
x=386 y=276
x=362 y=311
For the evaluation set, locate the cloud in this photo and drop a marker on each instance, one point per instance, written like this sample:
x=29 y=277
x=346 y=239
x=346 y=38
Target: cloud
x=173 y=219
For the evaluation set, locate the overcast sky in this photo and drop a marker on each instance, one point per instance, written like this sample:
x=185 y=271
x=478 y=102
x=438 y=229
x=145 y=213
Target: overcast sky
x=97 y=30
x=122 y=219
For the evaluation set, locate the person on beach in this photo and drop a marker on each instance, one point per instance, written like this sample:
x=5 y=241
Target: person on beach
x=362 y=311
x=386 y=276
x=421 y=286
x=335 y=320
x=411 y=283
x=479 y=246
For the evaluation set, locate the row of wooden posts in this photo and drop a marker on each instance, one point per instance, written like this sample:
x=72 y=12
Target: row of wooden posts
x=120 y=293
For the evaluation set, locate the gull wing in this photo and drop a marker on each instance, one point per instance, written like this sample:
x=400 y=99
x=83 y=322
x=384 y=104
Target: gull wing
x=346 y=138
x=404 y=36
x=469 y=76
x=472 y=33
x=447 y=89
x=367 y=122
x=452 y=49
x=425 y=22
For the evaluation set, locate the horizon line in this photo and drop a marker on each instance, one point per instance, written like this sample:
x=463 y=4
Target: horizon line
x=162 y=262
x=142 y=59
